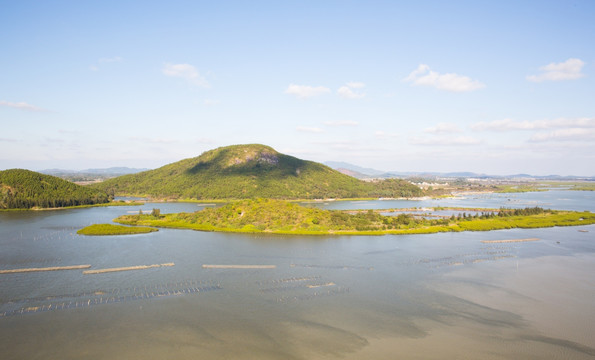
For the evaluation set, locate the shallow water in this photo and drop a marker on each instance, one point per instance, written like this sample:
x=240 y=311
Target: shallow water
x=423 y=296
x=554 y=199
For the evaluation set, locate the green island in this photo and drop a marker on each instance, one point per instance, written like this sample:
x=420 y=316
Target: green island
x=283 y=217
x=110 y=229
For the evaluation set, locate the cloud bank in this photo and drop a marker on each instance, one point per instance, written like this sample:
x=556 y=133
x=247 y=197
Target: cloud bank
x=567 y=70
x=443 y=128
x=424 y=76
x=309 y=129
x=509 y=124
x=348 y=92
x=21 y=106
x=445 y=141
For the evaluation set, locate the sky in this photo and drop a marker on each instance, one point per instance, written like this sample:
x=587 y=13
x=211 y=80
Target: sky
x=492 y=87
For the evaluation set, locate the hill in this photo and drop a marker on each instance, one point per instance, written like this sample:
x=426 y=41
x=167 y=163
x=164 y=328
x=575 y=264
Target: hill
x=24 y=189
x=251 y=171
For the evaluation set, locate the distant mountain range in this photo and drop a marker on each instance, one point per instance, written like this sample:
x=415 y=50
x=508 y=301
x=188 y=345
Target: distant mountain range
x=113 y=171
x=365 y=173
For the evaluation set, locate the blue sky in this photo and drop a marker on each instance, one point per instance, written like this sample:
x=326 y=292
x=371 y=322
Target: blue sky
x=492 y=87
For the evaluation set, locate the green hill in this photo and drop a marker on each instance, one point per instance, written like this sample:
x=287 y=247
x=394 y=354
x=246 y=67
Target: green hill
x=251 y=171
x=24 y=189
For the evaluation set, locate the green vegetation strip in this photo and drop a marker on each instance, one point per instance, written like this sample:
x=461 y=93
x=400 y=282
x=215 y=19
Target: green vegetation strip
x=282 y=217
x=519 y=188
x=109 y=229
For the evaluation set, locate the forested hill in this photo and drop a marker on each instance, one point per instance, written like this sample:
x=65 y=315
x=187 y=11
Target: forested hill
x=251 y=171
x=24 y=189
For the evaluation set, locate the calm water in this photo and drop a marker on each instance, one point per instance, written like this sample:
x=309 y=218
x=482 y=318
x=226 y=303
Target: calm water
x=384 y=297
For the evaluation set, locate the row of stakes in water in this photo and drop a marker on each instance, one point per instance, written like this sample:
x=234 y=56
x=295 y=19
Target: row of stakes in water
x=118 y=291
x=314 y=295
x=446 y=259
x=109 y=300
x=50 y=235
x=473 y=261
x=297 y=287
x=332 y=267
x=288 y=280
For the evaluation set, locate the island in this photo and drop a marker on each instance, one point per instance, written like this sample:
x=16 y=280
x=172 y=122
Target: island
x=110 y=229
x=284 y=217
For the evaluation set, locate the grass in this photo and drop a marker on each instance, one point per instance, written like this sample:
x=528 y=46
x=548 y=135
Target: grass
x=110 y=229
x=278 y=217
x=519 y=188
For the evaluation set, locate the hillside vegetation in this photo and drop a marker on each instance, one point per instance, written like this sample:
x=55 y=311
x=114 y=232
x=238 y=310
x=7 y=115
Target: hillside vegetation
x=24 y=189
x=282 y=217
x=251 y=171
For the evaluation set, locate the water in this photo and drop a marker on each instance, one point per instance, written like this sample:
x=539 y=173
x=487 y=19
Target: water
x=554 y=199
x=424 y=296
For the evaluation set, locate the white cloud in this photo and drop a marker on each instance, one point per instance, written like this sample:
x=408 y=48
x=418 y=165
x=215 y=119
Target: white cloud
x=348 y=93
x=444 y=141
x=341 y=123
x=186 y=72
x=567 y=70
x=306 y=91
x=21 y=106
x=309 y=129
x=509 y=124
x=443 y=128
x=423 y=76
x=93 y=68
x=572 y=134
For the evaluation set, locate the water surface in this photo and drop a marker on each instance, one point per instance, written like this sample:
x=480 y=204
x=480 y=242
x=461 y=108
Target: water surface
x=423 y=296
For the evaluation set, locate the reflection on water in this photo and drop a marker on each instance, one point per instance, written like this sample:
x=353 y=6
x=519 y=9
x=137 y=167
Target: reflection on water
x=426 y=296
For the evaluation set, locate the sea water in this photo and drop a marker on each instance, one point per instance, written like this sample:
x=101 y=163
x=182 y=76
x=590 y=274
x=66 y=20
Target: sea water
x=446 y=295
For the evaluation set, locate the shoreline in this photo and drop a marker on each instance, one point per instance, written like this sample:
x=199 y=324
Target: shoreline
x=111 y=203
